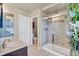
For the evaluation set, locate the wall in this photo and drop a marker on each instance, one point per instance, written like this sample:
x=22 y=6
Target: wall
x=15 y=12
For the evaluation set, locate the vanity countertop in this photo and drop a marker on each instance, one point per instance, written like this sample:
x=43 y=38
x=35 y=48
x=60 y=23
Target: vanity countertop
x=16 y=46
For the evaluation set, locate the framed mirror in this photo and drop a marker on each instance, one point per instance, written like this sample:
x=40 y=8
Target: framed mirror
x=9 y=24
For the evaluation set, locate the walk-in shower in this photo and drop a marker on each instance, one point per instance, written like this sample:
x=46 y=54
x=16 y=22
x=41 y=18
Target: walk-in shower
x=58 y=43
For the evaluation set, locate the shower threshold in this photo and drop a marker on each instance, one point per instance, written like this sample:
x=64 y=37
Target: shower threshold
x=56 y=50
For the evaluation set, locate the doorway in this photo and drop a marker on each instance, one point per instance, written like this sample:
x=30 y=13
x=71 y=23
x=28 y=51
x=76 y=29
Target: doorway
x=34 y=31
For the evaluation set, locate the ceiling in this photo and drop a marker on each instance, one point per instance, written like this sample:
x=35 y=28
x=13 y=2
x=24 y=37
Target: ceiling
x=28 y=7
x=56 y=8
x=31 y=7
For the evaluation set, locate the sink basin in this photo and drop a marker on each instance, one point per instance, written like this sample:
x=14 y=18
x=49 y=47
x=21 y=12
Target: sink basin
x=12 y=44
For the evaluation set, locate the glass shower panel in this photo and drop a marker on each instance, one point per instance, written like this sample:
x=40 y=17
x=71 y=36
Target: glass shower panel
x=59 y=28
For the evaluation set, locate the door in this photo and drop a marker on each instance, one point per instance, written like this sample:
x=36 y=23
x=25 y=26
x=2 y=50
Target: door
x=24 y=29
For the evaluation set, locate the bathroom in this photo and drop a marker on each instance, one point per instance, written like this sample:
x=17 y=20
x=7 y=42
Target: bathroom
x=43 y=28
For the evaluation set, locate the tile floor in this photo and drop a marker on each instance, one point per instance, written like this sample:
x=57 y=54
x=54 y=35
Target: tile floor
x=34 y=51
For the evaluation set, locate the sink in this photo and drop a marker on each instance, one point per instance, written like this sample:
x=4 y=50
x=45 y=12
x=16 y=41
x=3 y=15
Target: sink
x=12 y=44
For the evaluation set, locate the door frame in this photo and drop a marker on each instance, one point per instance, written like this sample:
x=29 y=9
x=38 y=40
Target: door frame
x=37 y=16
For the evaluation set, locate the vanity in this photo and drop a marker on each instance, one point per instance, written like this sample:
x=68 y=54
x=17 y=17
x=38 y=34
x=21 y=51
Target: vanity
x=18 y=48
x=19 y=52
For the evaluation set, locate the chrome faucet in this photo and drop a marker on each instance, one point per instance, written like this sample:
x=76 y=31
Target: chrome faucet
x=5 y=43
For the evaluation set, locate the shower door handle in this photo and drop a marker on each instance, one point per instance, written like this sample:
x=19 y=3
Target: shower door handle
x=52 y=38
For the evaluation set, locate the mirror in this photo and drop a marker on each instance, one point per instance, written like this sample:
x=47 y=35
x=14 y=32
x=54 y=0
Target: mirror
x=8 y=25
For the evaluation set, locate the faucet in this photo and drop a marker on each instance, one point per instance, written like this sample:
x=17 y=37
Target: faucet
x=5 y=43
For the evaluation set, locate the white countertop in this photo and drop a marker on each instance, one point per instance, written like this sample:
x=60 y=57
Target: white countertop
x=17 y=46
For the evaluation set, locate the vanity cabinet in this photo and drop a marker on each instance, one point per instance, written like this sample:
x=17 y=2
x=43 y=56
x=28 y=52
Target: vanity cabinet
x=19 y=52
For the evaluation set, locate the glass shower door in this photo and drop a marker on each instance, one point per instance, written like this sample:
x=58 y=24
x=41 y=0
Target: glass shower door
x=61 y=42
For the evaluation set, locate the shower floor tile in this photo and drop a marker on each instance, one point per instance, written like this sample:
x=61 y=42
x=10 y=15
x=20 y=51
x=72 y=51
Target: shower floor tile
x=59 y=51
